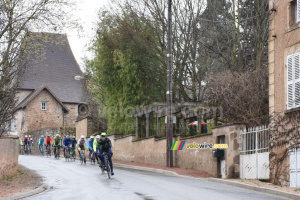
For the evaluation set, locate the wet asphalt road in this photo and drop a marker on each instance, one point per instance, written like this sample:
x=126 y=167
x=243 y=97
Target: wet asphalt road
x=75 y=181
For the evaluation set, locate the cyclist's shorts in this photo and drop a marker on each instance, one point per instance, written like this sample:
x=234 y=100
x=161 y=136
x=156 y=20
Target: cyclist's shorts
x=81 y=146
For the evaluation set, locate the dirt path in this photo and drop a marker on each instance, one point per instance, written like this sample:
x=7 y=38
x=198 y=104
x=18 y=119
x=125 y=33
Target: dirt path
x=25 y=180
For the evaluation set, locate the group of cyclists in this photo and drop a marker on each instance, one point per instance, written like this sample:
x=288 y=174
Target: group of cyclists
x=98 y=147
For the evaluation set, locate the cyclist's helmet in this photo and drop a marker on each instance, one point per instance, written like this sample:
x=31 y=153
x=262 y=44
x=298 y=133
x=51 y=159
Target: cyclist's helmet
x=98 y=137
x=82 y=137
x=103 y=135
x=48 y=135
x=57 y=135
x=29 y=136
x=92 y=137
x=26 y=136
x=73 y=137
x=42 y=136
x=68 y=137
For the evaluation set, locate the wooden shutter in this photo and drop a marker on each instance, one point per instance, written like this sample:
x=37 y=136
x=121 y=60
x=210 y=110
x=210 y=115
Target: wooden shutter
x=290 y=82
x=296 y=66
x=298 y=11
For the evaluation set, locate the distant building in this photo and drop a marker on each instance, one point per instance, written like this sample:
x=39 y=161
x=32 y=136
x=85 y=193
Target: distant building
x=284 y=91
x=50 y=92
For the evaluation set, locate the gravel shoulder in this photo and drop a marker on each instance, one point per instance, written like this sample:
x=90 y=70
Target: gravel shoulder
x=23 y=181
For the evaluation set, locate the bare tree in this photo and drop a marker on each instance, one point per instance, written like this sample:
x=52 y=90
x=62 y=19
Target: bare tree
x=242 y=96
x=17 y=18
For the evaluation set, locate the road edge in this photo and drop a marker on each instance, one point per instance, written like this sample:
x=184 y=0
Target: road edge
x=216 y=180
x=256 y=188
x=148 y=169
x=36 y=191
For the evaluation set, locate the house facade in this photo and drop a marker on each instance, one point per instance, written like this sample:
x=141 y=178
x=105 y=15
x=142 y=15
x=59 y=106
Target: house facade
x=284 y=91
x=50 y=92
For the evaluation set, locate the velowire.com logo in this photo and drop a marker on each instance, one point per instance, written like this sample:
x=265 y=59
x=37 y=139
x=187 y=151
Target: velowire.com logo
x=178 y=145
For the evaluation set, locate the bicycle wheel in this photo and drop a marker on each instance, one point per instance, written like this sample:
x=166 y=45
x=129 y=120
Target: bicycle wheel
x=108 y=167
x=68 y=155
x=58 y=153
x=26 y=149
x=102 y=167
x=90 y=157
x=73 y=155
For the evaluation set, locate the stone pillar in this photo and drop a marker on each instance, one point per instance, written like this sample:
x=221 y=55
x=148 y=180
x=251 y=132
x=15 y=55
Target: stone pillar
x=147 y=125
x=184 y=126
x=158 y=126
x=136 y=127
x=199 y=119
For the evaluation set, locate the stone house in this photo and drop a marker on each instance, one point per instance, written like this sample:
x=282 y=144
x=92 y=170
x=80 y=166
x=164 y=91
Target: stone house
x=50 y=92
x=284 y=91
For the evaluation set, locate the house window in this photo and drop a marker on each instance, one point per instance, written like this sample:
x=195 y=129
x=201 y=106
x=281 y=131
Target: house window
x=294 y=12
x=43 y=106
x=293 y=81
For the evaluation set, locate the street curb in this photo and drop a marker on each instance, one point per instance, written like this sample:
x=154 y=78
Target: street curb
x=148 y=169
x=36 y=191
x=216 y=180
x=256 y=188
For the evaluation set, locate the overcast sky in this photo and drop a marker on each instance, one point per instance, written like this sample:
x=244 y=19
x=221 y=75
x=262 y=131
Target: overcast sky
x=87 y=13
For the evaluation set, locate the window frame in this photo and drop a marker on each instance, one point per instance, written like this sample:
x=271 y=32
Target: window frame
x=43 y=106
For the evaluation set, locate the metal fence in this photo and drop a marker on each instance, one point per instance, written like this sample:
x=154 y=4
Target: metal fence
x=255 y=140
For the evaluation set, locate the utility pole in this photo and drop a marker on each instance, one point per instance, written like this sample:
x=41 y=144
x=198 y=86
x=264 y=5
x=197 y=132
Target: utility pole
x=169 y=90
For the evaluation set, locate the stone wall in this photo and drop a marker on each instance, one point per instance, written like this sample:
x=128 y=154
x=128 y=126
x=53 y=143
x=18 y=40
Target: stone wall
x=81 y=128
x=34 y=118
x=200 y=159
x=232 y=154
x=71 y=117
x=149 y=151
x=9 y=153
x=153 y=151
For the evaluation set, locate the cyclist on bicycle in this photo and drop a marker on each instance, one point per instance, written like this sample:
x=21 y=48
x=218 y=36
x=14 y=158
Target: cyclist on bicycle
x=81 y=145
x=104 y=145
x=89 y=145
x=48 y=140
x=67 y=143
x=41 y=143
x=95 y=147
x=48 y=143
x=26 y=140
x=31 y=141
x=57 y=142
x=74 y=142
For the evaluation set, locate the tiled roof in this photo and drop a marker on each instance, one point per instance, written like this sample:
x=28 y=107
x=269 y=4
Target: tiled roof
x=32 y=95
x=52 y=65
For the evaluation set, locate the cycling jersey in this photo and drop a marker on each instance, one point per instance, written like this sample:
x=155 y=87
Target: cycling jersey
x=90 y=143
x=74 y=143
x=57 y=141
x=26 y=141
x=105 y=145
x=41 y=141
x=48 y=141
x=67 y=142
x=81 y=143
